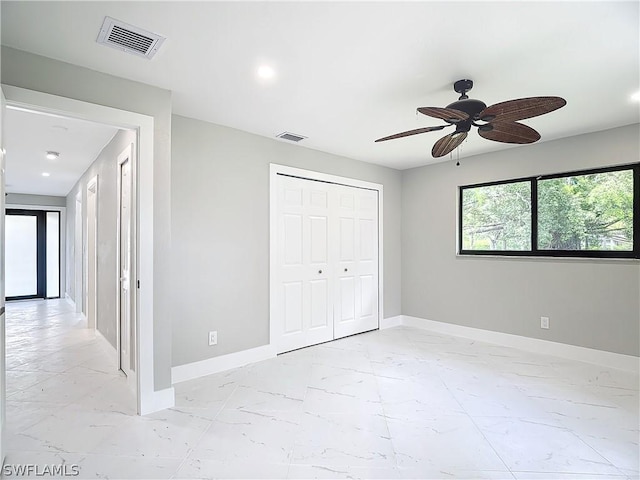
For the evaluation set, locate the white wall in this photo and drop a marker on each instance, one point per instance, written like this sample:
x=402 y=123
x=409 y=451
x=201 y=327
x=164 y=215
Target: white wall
x=220 y=233
x=34 y=72
x=591 y=302
x=105 y=167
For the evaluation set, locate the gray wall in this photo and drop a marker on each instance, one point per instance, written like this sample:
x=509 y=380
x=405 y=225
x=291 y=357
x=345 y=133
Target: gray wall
x=213 y=273
x=220 y=233
x=37 y=200
x=105 y=167
x=46 y=75
x=591 y=303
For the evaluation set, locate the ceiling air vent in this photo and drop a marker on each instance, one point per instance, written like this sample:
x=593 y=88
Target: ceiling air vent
x=292 y=137
x=129 y=38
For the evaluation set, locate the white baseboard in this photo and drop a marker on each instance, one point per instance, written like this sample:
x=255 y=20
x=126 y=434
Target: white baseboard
x=160 y=400
x=189 y=371
x=391 y=322
x=545 y=347
x=73 y=304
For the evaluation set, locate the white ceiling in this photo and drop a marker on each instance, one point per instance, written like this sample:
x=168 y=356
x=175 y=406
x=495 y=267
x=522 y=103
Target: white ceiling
x=351 y=72
x=28 y=136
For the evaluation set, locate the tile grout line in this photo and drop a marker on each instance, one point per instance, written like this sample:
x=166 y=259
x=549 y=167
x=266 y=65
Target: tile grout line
x=206 y=430
x=384 y=414
x=302 y=413
x=475 y=425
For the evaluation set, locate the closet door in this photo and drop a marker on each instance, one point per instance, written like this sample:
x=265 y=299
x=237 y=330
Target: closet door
x=356 y=286
x=303 y=275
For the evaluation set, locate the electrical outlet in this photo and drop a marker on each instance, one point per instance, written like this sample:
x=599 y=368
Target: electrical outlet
x=544 y=322
x=213 y=338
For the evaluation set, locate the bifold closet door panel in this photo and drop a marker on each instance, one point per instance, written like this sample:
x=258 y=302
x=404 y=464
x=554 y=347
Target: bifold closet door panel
x=356 y=286
x=303 y=273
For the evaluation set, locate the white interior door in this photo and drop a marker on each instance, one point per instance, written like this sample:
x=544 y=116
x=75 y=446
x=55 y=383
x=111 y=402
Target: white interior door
x=327 y=262
x=356 y=288
x=304 y=291
x=124 y=264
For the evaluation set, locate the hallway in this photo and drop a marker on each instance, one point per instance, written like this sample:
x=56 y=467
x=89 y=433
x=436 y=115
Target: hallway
x=64 y=391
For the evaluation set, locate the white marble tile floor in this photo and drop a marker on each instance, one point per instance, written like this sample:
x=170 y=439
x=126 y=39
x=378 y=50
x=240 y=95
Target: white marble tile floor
x=397 y=403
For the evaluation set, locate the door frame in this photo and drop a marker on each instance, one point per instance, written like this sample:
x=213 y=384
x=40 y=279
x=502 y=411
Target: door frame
x=41 y=251
x=277 y=169
x=78 y=248
x=3 y=362
x=148 y=400
x=91 y=271
x=63 y=237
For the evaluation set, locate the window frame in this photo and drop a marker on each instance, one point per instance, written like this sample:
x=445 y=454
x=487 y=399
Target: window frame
x=535 y=251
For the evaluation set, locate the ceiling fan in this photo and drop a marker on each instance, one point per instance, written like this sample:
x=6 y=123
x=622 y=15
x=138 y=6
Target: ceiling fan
x=497 y=122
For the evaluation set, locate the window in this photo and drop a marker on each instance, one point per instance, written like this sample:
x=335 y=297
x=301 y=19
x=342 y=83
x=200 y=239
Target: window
x=497 y=217
x=590 y=213
x=32 y=246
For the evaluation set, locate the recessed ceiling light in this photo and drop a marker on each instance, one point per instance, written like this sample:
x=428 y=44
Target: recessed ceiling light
x=52 y=155
x=266 y=72
x=636 y=97
x=46 y=174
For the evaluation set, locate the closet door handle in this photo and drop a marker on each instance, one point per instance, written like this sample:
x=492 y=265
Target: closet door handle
x=346 y=270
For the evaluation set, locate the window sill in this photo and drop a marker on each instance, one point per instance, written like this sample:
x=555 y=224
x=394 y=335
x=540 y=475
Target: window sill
x=550 y=258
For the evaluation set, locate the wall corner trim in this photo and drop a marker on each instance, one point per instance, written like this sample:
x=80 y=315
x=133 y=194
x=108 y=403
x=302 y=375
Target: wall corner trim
x=160 y=400
x=69 y=300
x=572 y=352
x=190 y=371
x=106 y=345
x=391 y=322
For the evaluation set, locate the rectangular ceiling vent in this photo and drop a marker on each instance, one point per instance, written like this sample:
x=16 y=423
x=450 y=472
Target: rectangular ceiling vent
x=128 y=38
x=292 y=137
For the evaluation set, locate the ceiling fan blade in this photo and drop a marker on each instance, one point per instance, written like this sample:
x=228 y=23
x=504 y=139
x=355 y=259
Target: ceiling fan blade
x=510 y=132
x=412 y=132
x=522 y=108
x=448 y=143
x=447 y=114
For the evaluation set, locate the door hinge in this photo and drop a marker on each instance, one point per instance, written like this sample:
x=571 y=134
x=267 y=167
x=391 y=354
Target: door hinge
x=138 y=283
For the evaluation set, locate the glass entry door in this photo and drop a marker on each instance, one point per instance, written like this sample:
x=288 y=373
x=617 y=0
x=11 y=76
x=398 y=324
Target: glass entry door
x=32 y=265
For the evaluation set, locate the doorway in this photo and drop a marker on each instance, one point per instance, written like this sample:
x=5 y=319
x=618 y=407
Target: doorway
x=148 y=400
x=32 y=247
x=326 y=257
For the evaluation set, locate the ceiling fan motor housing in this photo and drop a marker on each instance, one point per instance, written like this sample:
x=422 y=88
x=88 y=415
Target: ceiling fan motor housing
x=469 y=106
